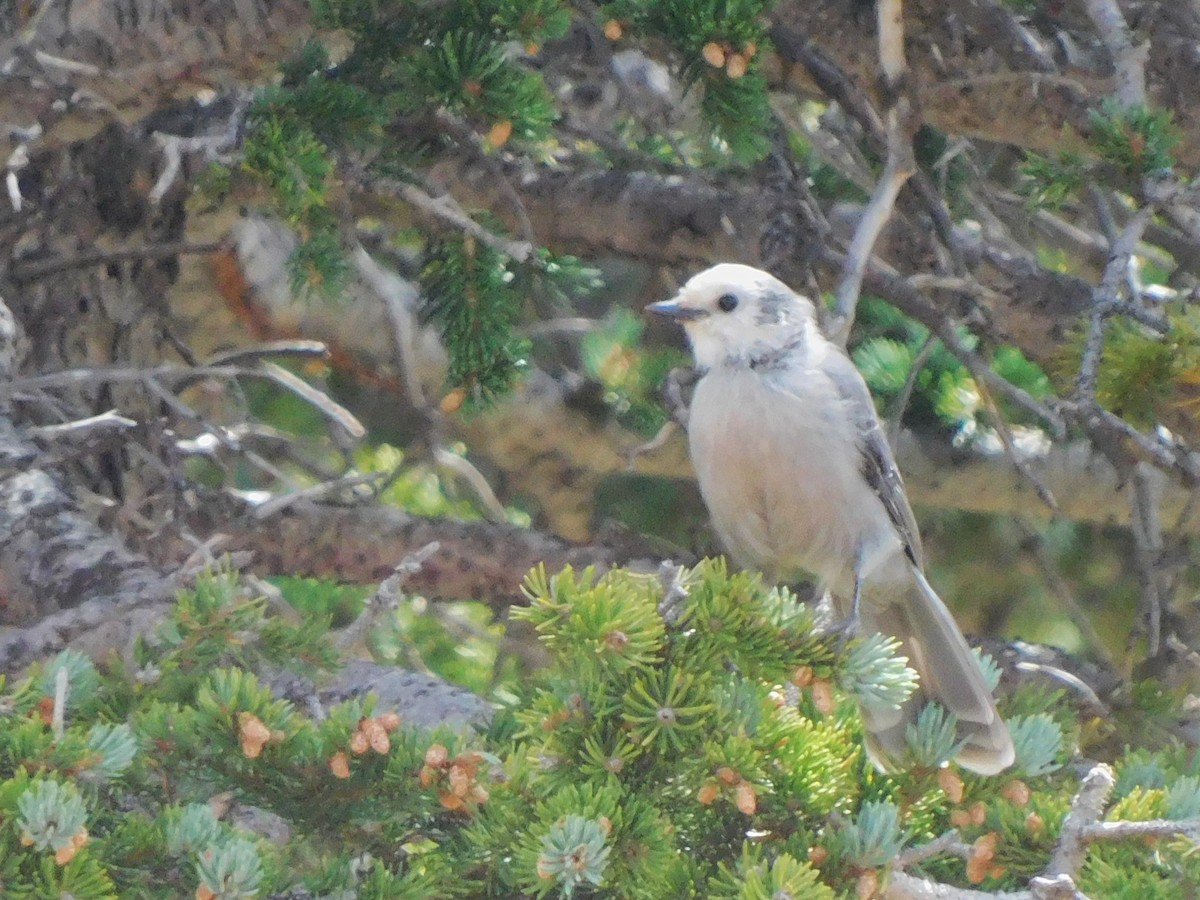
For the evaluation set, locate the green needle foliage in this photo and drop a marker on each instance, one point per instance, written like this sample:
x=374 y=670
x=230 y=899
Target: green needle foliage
x=389 y=87
x=714 y=756
x=718 y=44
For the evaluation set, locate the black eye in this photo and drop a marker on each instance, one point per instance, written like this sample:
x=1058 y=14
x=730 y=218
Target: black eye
x=727 y=303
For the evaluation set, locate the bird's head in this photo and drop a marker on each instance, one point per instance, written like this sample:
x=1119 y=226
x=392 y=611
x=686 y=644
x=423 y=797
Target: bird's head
x=732 y=311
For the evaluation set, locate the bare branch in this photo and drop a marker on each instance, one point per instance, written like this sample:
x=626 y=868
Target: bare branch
x=446 y=209
x=1105 y=300
x=75 y=378
x=298 y=348
x=882 y=279
x=387 y=596
x=896 y=173
x=901 y=118
x=32 y=271
x=466 y=471
x=399 y=299
x=1129 y=60
x=325 y=489
x=335 y=412
x=83 y=430
x=948 y=843
x=1087 y=808
x=1148 y=548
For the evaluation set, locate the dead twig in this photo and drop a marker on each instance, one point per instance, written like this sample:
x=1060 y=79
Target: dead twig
x=388 y=595
x=900 y=118
x=1129 y=59
x=77 y=378
x=32 y=271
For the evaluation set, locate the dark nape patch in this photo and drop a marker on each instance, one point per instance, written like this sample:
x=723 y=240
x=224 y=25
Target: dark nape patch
x=773 y=307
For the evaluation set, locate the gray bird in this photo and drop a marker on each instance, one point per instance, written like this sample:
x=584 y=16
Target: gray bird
x=798 y=478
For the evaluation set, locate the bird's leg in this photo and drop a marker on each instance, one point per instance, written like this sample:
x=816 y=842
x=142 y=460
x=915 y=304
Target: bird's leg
x=674 y=580
x=848 y=627
x=856 y=600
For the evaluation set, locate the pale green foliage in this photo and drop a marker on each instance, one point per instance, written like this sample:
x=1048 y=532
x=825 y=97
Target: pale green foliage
x=932 y=738
x=82 y=678
x=874 y=836
x=231 y=870
x=51 y=815
x=1037 y=741
x=194 y=831
x=756 y=878
x=876 y=675
x=989 y=668
x=1183 y=798
x=114 y=747
x=574 y=853
x=634 y=766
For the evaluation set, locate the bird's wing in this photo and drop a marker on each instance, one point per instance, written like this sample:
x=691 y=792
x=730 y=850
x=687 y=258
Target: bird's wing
x=876 y=464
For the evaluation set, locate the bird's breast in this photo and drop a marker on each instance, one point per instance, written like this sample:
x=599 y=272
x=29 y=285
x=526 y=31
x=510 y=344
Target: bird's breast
x=779 y=469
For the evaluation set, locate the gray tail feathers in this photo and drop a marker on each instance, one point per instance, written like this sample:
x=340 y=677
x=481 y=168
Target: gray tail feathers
x=949 y=673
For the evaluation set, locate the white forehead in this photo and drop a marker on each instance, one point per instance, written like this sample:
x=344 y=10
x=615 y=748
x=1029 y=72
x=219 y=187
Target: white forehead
x=730 y=278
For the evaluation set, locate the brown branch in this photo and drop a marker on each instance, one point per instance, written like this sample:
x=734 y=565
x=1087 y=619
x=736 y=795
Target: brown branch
x=483 y=561
x=1129 y=60
x=1148 y=548
x=61 y=577
x=33 y=271
x=885 y=281
x=1087 y=808
x=1082 y=826
x=446 y=209
x=74 y=378
x=1105 y=300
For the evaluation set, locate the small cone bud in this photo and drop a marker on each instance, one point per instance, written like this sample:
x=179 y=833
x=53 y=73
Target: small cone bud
x=745 y=799
x=1034 y=824
x=499 y=134
x=339 y=765
x=950 y=784
x=822 y=694
x=735 y=65
x=867 y=885
x=985 y=846
x=377 y=736
x=613 y=30
x=977 y=869
x=460 y=781
x=453 y=401
x=64 y=855
x=714 y=55
x=978 y=813
x=708 y=793
x=1017 y=792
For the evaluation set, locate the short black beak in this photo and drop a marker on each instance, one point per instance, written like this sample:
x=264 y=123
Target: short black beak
x=672 y=309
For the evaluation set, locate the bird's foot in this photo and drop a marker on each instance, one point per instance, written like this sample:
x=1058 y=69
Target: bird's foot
x=674 y=581
x=844 y=631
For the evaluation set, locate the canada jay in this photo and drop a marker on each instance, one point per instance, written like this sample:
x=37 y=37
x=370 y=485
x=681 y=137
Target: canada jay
x=798 y=478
